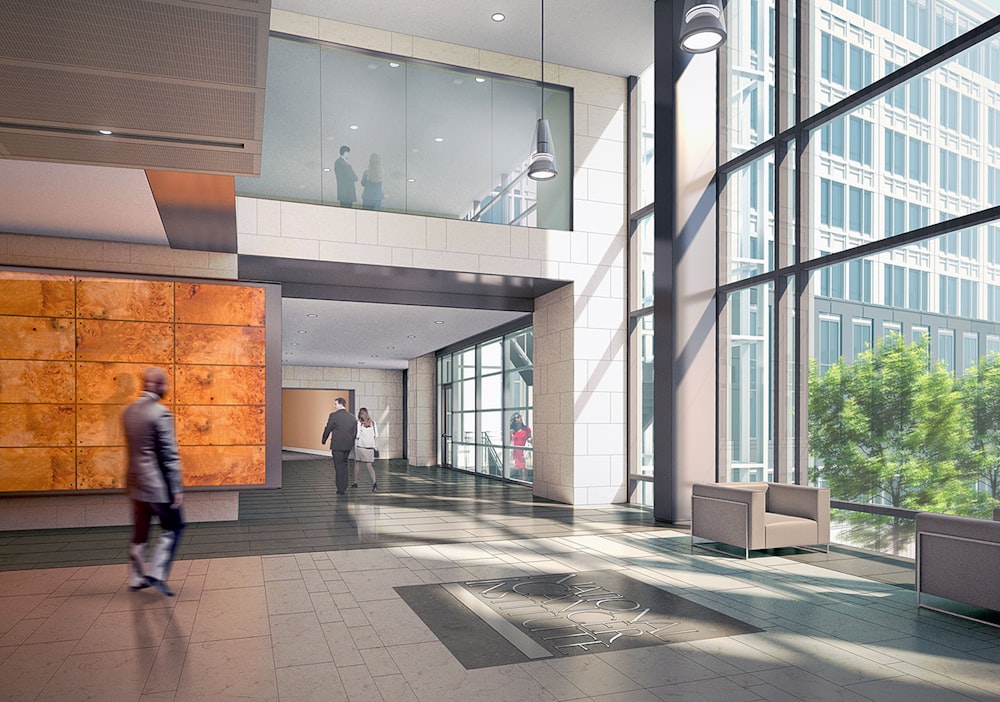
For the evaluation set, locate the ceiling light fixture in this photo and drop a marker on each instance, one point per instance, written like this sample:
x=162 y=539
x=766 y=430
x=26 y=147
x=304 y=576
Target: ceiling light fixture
x=312 y=314
x=542 y=165
x=353 y=126
x=394 y=64
x=303 y=331
x=480 y=79
x=703 y=27
x=498 y=17
x=105 y=132
x=438 y=321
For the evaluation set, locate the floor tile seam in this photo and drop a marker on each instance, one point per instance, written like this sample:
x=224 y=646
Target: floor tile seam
x=939 y=673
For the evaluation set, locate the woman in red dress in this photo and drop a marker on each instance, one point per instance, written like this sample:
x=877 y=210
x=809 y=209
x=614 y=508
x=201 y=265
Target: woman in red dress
x=520 y=435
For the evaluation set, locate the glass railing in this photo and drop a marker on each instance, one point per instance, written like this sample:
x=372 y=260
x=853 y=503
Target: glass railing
x=356 y=129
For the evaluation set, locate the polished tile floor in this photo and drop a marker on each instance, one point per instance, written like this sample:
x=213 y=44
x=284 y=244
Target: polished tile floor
x=295 y=601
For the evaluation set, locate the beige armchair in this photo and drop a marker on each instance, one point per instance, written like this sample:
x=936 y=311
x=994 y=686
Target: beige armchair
x=756 y=516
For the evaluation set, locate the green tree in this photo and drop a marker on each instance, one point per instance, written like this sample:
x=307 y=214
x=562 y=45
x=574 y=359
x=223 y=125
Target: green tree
x=888 y=429
x=980 y=392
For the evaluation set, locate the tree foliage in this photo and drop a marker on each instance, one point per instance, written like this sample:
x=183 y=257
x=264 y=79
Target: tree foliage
x=890 y=429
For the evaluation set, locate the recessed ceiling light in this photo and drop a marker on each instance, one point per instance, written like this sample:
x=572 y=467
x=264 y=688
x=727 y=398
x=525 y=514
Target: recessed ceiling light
x=105 y=132
x=458 y=81
x=411 y=336
x=498 y=17
x=372 y=66
x=439 y=139
x=390 y=348
x=480 y=79
x=354 y=126
x=303 y=331
x=361 y=363
x=374 y=355
x=394 y=64
x=313 y=314
x=439 y=321
x=411 y=180
x=294 y=343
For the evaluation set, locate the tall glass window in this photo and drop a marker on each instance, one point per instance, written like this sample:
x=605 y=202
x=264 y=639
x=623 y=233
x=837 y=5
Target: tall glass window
x=486 y=401
x=889 y=201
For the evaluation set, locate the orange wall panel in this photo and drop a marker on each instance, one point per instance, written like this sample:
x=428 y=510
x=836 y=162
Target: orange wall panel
x=112 y=383
x=224 y=346
x=101 y=468
x=100 y=425
x=36 y=381
x=35 y=295
x=124 y=299
x=125 y=342
x=36 y=469
x=37 y=425
x=72 y=353
x=203 y=303
x=227 y=425
x=222 y=465
x=220 y=385
x=36 y=338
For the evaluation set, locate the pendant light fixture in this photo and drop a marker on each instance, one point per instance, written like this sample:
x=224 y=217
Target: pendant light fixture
x=703 y=27
x=543 y=160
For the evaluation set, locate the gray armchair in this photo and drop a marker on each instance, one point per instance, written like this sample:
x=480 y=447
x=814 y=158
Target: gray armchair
x=958 y=559
x=756 y=516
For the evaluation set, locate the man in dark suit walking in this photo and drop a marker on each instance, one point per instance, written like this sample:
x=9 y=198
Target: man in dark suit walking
x=342 y=428
x=153 y=482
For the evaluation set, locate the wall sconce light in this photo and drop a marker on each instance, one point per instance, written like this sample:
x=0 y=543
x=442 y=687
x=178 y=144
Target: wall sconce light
x=542 y=165
x=703 y=27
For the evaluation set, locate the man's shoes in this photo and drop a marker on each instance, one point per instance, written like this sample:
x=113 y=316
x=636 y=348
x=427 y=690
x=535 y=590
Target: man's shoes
x=374 y=487
x=141 y=586
x=159 y=585
x=354 y=484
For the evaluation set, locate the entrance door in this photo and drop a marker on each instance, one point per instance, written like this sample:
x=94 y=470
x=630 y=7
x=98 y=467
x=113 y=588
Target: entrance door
x=446 y=427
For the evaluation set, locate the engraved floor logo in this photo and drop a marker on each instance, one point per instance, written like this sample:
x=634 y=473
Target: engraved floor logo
x=566 y=614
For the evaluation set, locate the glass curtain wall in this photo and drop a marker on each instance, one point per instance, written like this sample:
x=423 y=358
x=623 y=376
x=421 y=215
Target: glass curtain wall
x=860 y=257
x=351 y=128
x=641 y=223
x=485 y=396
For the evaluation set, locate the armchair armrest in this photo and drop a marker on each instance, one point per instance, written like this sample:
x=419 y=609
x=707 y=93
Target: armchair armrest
x=729 y=513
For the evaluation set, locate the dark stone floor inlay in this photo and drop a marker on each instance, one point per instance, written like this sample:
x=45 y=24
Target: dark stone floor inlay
x=499 y=621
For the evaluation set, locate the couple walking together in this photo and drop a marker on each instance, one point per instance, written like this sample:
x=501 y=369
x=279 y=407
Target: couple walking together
x=347 y=432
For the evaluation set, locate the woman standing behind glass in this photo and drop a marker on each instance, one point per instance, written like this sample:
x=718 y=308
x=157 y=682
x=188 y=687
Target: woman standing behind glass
x=371 y=183
x=520 y=435
x=364 y=446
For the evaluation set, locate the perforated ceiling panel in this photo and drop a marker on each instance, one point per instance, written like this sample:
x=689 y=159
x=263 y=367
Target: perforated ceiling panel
x=181 y=82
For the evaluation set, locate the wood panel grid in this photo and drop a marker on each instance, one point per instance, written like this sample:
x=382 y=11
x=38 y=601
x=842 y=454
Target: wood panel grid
x=72 y=352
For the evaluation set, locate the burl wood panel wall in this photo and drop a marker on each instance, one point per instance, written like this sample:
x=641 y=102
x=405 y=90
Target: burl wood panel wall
x=72 y=351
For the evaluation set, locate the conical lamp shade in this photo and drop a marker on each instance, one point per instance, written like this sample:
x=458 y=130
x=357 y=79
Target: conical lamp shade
x=543 y=160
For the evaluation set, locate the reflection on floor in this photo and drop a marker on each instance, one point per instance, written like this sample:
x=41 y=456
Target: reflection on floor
x=296 y=601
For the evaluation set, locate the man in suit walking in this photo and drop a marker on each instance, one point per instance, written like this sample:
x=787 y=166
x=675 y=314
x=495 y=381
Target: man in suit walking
x=342 y=428
x=153 y=482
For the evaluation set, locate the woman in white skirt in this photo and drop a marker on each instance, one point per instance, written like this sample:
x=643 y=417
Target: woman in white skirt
x=364 y=446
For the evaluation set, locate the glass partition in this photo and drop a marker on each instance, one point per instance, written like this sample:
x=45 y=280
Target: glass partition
x=488 y=406
x=356 y=129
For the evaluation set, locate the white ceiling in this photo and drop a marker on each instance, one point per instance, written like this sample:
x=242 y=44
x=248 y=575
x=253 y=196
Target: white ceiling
x=609 y=36
x=115 y=204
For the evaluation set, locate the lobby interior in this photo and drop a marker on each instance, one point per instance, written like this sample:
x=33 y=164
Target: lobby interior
x=306 y=595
